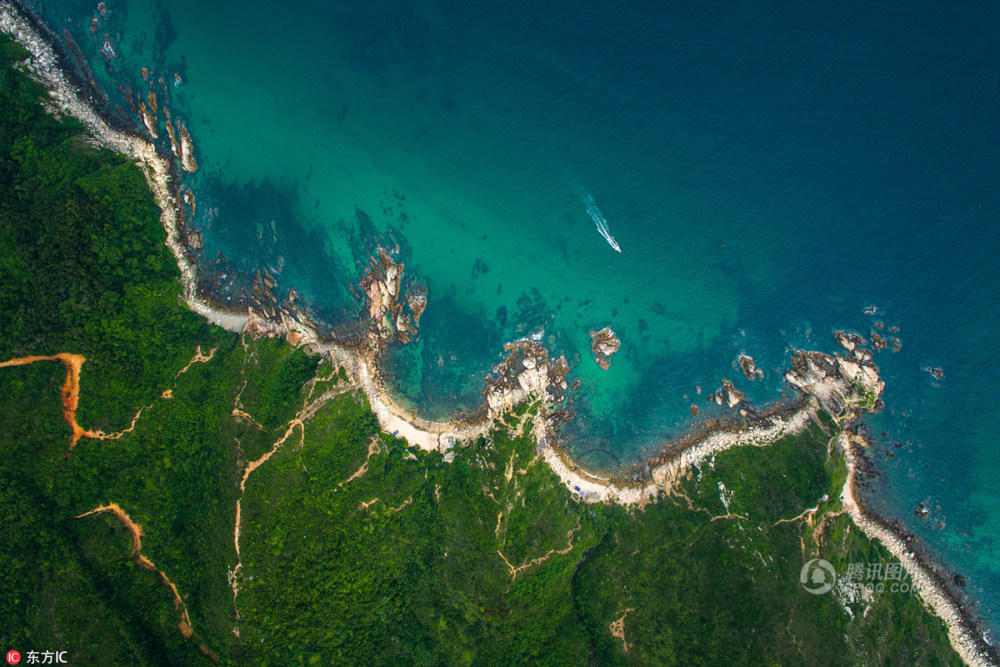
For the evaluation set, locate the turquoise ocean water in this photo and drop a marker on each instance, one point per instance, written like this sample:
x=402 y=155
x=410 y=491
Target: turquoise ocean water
x=768 y=171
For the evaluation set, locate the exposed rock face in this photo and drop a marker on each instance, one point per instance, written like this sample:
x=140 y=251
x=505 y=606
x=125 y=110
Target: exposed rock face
x=188 y=162
x=394 y=316
x=732 y=396
x=149 y=120
x=187 y=196
x=728 y=394
x=878 y=342
x=175 y=145
x=934 y=371
x=749 y=367
x=604 y=343
x=838 y=383
x=849 y=340
x=417 y=302
x=527 y=371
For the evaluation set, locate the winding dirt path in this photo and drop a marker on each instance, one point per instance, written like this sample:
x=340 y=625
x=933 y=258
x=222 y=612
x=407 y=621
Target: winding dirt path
x=239 y=413
x=298 y=421
x=317 y=379
x=70 y=388
x=403 y=505
x=373 y=448
x=70 y=396
x=135 y=530
x=198 y=358
x=541 y=559
x=253 y=465
x=71 y=392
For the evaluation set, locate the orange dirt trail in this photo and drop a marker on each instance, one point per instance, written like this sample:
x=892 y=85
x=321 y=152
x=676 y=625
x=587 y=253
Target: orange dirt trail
x=70 y=388
x=71 y=391
x=70 y=400
x=136 y=531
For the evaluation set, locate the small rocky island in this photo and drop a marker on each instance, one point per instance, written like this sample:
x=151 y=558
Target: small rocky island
x=749 y=367
x=604 y=343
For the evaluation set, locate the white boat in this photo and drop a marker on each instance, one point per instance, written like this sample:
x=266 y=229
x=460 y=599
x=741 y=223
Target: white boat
x=603 y=231
x=599 y=220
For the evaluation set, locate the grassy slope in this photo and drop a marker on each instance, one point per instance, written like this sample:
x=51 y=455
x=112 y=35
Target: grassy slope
x=83 y=269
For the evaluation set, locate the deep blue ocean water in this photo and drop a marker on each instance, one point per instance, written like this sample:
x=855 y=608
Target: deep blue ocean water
x=768 y=170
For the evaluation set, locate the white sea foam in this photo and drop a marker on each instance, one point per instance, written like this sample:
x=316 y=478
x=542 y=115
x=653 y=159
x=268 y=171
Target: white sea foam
x=598 y=217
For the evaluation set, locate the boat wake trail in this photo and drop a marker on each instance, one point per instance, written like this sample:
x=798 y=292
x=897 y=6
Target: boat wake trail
x=595 y=214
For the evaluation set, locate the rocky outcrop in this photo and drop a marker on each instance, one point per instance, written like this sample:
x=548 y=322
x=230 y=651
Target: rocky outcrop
x=849 y=340
x=749 y=367
x=417 y=302
x=838 y=383
x=526 y=372
x=149 y=120
x=604 y=343
x=732 y=396
x=187 y=196
x=188 y=162
x=934 y=372
x=728 y=394
x=394 y=310
x=175 y=145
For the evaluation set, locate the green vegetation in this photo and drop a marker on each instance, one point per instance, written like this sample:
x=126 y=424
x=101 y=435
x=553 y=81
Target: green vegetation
x=355 y=547
x=708 y=586
x=83 y=269
x=274 y=381
x=406 y=557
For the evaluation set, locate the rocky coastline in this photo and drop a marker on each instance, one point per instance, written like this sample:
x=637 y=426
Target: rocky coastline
x=843 y=386
x=966 y=636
